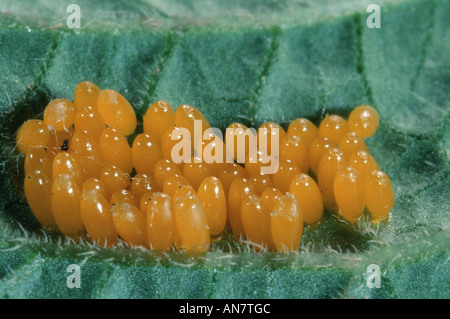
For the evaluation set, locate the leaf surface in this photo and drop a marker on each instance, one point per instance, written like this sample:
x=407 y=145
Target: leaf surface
x=251 y=62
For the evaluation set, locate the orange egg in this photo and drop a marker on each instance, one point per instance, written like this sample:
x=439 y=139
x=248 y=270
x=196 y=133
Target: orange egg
x=239 y=189
x=333 y=127
x=239 y=139
x=113 y=179
x=192 y=224
x=266 y=133
x=86 y=151
x=59 y=114
x=143 y=183
x=145 y=153
x=86 y=94
x=364 y=163
x=349 y=193
x=131 y=224
x=38 y=188
x=309 y=197
x=158 y=119
x=32 y=134
x=213 y=199
x=160 y=222
x=230 y=172
x=351 y=143
x=269 y=196
x=331 y=161
x=117 y=112
x=318 y=147
x=65 y=199
x=284 y=175
x=379 y=194
x=293 y=150
x=115 y=150
x=97 y=218
x=286 y=223
x=304 y=129
x=256 y=222
x=364 y=121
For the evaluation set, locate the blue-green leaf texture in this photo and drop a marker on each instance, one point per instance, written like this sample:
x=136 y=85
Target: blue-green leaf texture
x=252 y=62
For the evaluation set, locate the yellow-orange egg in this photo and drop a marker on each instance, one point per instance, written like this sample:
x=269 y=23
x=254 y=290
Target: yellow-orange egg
x=256 y=222
x=32 y=134
x=379 y=194
x=331 y=161
x=117 y=112
x=309 y=197
x=286 y=223
x=60 y=114
x=145 y=153
x=349 y=193
x=333 y=127
x=86 y=94
x=213 y=199
x=115 y=150
x=158 y=119
x=160 y=222
x=364 y=120
x=305 y=129
x=239 y=189
x=192 y=224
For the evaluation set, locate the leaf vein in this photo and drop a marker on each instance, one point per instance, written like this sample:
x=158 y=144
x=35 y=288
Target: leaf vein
x=425 y=46
x=155 y=76
x=360 y=62
x=267 y=65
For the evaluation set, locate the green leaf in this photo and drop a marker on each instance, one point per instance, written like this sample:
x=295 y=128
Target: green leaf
x=251 y=62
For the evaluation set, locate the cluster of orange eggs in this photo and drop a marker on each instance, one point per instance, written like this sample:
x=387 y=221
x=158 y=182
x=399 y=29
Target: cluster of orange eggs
x=82 y=176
